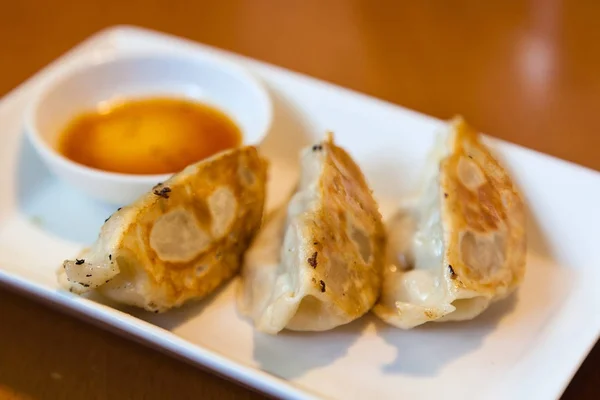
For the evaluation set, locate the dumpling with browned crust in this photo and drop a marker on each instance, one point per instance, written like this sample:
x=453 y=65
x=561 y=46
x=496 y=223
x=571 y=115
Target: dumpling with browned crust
x=461 y=245
x=317 y=262
x=181 y=240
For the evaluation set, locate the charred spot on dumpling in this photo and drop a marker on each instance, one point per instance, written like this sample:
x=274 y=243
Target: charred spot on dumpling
x=312 y=260
x=177 y=237
x=452 y=273
x=162 y=191
x=317 y=147
x=322 y=286
x=470 y=174
x=223 y=207
x=482 y=254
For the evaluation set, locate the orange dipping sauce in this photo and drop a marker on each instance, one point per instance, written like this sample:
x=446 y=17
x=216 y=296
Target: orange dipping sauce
x=148 y=136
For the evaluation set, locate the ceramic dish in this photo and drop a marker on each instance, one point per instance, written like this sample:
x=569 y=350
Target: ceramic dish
x=527 y=347
x=113 y=77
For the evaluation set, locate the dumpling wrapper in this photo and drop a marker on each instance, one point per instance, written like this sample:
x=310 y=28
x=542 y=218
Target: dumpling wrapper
x=462 y=245
x=317 y=262
x=181 y=240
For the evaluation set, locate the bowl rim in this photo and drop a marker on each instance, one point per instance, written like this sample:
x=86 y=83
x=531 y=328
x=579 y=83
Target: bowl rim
x=218 y=62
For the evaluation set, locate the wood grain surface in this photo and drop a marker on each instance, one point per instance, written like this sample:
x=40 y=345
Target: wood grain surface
x=524 y=71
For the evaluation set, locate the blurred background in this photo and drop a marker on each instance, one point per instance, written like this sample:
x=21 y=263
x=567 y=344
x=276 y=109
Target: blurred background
x=525 y=71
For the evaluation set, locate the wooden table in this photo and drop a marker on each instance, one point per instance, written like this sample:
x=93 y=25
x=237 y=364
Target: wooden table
x=525 y=71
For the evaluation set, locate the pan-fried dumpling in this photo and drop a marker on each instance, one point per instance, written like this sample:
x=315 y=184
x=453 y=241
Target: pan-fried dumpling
x=181 y=240
x=317 y=261
x=461 y=246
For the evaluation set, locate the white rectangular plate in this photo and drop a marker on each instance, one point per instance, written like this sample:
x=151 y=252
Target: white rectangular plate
x=527 y=347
